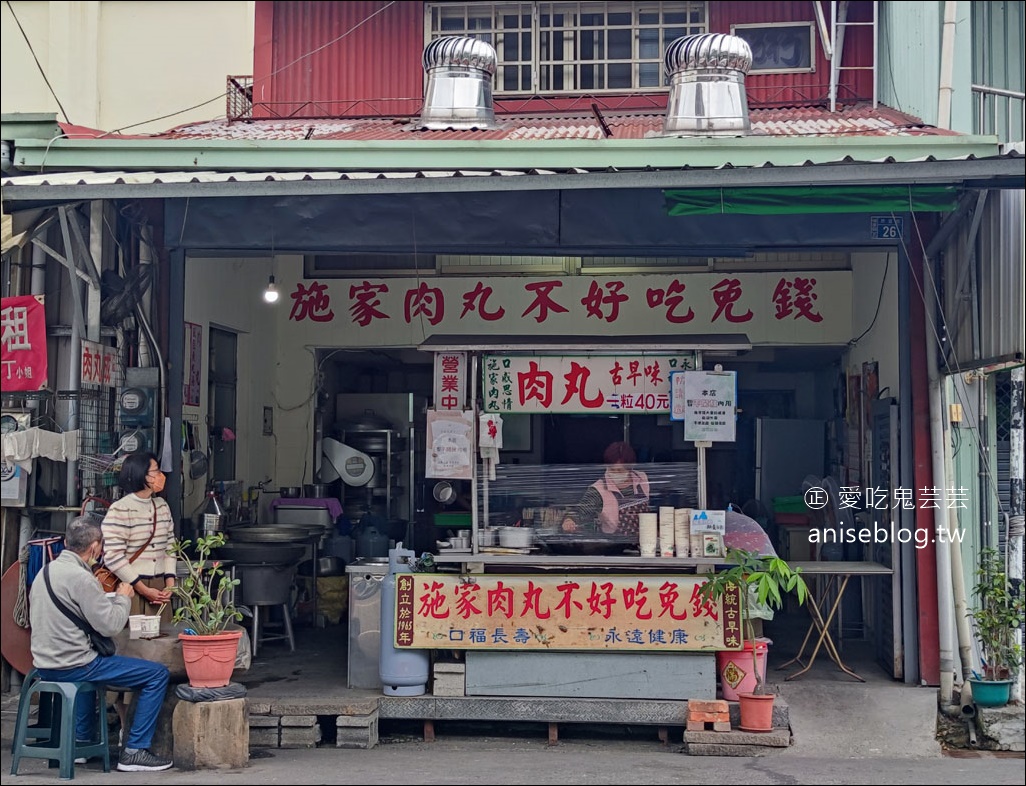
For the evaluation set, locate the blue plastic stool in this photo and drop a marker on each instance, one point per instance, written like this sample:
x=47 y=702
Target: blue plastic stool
x=54 y=731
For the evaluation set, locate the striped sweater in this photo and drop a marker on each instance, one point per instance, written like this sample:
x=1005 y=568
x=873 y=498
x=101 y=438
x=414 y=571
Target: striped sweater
x=126 y=527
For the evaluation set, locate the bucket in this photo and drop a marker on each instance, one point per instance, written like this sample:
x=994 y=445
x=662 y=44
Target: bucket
x=735 y=668
x=991 y=693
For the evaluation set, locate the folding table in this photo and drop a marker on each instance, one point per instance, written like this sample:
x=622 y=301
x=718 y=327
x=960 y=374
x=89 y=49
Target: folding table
x=838 y=574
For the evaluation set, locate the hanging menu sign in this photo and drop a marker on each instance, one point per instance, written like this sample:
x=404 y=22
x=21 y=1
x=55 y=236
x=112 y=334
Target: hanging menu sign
x=586 y=383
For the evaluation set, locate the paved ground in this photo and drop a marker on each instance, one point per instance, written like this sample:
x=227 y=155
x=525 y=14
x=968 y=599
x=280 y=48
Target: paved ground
x=878 y=732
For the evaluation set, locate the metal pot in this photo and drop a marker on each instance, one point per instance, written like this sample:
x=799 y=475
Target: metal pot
x=316 y=490
x=265 y=584
x=260 y=553
x=290 y=492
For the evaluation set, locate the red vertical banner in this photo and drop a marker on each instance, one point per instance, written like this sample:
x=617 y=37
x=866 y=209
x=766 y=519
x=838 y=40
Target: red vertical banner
x=23 y=334
x=403 y=609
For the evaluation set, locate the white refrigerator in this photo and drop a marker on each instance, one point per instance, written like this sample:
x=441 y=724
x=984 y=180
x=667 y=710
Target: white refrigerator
x=786 y=451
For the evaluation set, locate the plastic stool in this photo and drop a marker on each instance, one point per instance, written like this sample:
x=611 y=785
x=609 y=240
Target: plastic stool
x=54 y=731
x=257 y=637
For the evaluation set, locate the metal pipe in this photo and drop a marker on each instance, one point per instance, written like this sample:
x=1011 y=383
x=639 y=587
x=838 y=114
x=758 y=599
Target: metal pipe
x=939 y=439
x=947 y=65
x=959 y=597
x=1016 y=522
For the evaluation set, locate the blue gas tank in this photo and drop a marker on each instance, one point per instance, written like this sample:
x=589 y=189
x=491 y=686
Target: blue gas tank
x=403 y=671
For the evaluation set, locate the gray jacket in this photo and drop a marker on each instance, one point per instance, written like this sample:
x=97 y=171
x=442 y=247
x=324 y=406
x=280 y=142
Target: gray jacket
x=57 y=643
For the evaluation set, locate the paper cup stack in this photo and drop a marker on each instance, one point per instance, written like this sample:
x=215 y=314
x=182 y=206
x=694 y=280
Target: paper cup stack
x=666 y=535
x=682 y=531
x=648 y=533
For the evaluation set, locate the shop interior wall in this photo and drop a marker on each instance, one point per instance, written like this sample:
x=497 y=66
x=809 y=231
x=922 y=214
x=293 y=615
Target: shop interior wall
x=875 y=279
x=227 y=294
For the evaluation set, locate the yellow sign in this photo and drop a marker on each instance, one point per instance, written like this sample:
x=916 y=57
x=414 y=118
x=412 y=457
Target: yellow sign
x=567 y=612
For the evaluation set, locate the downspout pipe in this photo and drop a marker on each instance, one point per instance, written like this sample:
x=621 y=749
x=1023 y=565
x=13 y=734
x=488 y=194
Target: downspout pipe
x=961 y=600
x=947 y=65
x=938 y=441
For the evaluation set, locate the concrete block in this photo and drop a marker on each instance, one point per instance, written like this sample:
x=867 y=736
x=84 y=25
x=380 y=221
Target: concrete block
x=356 y=731
x=264 y=721
x=211 y=735
x=1003 y=726
x=449 y=685
x=356 y=721
x=303 y=737
x=298 y=721
x=450 y=668
x=778 y=738
x=264 y=738
x=259 y=707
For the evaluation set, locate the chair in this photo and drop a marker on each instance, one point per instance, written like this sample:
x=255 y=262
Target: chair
x=53 y=734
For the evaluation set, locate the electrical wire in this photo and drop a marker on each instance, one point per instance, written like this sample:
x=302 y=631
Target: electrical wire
x=879 y=300
x=38 y=64
x=967 y=410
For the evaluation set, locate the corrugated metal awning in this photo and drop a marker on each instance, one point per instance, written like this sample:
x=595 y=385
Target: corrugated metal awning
x=1005 y=171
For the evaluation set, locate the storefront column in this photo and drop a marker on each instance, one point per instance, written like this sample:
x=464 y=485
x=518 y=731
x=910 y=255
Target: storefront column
x=175 y=379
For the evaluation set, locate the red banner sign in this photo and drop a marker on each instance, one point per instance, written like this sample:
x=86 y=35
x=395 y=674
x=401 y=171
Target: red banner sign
x=23 y=334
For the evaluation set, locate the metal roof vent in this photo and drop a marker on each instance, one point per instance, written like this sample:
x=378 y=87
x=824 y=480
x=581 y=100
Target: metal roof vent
x=459 y=88
x=707 y=86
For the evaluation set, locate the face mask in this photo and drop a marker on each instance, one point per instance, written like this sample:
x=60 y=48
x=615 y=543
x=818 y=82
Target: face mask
x=156 y=482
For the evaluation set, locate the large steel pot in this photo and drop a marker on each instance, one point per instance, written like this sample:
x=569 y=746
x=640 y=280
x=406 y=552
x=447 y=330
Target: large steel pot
x=272 y=534
x=260 y=553
x=265 y=584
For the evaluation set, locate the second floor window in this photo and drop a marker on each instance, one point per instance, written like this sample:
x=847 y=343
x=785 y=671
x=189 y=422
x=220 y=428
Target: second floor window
x=553 y=48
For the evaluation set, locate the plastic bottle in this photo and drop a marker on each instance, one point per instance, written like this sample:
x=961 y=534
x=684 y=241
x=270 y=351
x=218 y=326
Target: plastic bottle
x=209 y=516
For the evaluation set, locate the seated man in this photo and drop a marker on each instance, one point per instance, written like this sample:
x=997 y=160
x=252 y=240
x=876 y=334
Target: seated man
x=61 y=651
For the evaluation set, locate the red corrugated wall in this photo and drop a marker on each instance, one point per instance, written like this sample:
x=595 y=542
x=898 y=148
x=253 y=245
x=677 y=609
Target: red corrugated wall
x=364 y=73
x=810 y=87
x=376 y=70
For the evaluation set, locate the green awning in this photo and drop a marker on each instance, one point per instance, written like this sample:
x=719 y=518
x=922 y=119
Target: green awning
x=824 y=199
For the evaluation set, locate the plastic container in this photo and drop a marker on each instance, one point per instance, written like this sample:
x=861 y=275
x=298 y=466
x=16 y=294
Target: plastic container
x=734 y=668
x=789 y=505
x=454 y=520
x=143 y=626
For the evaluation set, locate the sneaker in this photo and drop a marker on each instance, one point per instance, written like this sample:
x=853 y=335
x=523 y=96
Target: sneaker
x=142 y=761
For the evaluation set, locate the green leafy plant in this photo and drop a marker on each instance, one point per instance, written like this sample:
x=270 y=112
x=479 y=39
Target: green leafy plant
x=203 y=593
x=997 y=617
x=767 y=579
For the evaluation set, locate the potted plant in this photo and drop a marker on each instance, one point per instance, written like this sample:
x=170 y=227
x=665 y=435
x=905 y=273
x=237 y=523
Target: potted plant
x=998 y=616
x=209 y=648
x=767 y=580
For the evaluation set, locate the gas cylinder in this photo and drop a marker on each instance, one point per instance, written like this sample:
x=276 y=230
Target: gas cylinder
x=403 y=671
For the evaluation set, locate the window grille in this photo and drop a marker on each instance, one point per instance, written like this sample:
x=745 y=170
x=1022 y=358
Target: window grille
x=559 y=48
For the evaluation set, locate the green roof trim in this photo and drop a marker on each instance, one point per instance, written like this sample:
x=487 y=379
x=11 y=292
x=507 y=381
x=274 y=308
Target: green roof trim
x=792 y=200
x=248 y=155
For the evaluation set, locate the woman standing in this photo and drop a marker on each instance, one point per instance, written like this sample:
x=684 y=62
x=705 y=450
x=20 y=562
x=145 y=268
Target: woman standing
x=611 y=504
x=141 y=520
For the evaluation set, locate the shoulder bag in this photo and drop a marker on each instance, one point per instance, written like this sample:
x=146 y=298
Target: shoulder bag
x=108 y=579
x=104 y=645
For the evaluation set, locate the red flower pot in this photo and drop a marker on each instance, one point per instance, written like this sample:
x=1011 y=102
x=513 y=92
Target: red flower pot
x=210 y=660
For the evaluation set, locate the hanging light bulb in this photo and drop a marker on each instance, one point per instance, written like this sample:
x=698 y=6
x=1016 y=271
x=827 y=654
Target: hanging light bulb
x=271 y=293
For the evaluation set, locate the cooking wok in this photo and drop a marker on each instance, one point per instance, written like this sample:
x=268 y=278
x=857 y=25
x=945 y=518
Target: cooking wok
x=584 y=544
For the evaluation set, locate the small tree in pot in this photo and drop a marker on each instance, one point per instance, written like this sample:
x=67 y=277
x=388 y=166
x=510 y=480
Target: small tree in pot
x=209 y=648
x=996 y=620
x=768 y=579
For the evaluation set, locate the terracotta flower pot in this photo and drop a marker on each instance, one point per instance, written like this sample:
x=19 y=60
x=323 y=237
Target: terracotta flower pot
x=756 y=711
x=210 y=660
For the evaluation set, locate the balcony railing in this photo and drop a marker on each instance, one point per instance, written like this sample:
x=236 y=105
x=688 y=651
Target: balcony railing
x=999 y=112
